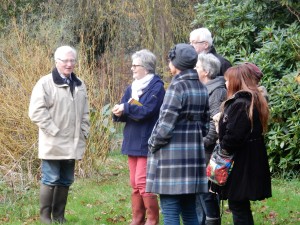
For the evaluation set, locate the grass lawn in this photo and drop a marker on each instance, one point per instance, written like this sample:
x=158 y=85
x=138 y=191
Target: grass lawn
x=105 y=199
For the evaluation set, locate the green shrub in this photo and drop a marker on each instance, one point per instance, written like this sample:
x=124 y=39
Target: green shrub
x=284 y=131
x=279 y=53
x=266 y=33
x=235 y=24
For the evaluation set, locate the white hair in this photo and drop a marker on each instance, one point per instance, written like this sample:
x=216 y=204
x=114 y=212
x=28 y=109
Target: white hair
x=202 y=34
x=210 y=63
x=62 y=50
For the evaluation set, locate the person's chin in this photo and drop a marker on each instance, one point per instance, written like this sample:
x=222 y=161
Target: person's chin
x=68 y=71
x=135 y=76
x=172 y=73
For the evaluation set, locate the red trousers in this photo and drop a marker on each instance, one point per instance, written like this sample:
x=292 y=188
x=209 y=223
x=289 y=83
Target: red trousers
x=137 y=171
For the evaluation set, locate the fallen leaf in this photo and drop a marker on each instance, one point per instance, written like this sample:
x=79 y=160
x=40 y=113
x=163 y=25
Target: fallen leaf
x=272 y=215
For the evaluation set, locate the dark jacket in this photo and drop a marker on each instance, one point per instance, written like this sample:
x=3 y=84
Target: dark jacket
x=217 y=94
x=225 y=64
x=140 y=120
x=250 y=177
x=176 y=164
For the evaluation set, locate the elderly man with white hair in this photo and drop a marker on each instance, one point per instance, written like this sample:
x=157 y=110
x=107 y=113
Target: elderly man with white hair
x=201 y=39
x=59 y=107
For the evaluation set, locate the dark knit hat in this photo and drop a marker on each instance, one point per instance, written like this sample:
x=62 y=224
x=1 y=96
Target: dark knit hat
x=183 y=56
x=255 y=71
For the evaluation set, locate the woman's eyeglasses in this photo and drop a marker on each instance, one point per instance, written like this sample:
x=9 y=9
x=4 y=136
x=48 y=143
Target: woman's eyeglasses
x=135 y=66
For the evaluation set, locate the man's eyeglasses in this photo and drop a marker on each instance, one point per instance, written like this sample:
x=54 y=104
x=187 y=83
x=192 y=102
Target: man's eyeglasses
x=196 y=42
x=65 y=61
x=135 y=66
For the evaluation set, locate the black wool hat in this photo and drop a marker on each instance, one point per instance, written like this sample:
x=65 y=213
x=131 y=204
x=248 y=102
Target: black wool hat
x=183 y=56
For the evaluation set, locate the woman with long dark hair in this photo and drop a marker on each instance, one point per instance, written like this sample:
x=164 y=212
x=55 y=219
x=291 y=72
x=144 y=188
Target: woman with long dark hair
x=242 y=126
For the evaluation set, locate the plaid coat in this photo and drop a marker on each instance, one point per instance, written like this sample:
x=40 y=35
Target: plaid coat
x=176 y=160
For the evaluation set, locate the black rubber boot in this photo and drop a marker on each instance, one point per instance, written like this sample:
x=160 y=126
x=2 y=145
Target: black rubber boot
x=59 y=204
x=213 y=221
x=46 y=197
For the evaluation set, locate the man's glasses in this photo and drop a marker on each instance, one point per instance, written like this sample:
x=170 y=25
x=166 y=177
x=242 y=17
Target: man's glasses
x=196 y=42
x=65 y=61
x=135 y=66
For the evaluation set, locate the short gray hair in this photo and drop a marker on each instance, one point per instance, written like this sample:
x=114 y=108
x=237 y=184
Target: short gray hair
x=203 y=34
x=60 y=51
x=210 y=63
x=148 y=59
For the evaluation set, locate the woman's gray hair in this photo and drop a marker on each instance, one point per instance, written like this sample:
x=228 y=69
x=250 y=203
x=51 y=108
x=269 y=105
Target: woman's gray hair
x=62 y=50
x=210 y=63
x=148 y=59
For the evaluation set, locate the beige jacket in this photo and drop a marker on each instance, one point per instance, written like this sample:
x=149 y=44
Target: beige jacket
x=63 y=119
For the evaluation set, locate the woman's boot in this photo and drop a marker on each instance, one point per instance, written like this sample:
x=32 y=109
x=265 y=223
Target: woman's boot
x=138 y=209
x=152 y=209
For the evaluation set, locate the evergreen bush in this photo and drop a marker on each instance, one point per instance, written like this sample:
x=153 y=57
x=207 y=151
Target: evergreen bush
x=266 y=33
x=284 y=130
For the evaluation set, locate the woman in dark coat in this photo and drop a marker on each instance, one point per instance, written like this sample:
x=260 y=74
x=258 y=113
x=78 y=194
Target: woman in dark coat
x=242 y=124
x=139 y=109
x=176 y=162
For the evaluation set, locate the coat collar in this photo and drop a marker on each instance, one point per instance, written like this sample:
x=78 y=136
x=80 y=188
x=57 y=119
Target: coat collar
x=57 y=79
x=189 y=74
x=240 y=94
x=218 y=82
x=212 y=50
x=155 y=79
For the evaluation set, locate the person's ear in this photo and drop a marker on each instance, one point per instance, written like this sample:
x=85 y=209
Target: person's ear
x=205 y=73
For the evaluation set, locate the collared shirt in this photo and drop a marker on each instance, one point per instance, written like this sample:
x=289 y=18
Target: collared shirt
x=66 y=78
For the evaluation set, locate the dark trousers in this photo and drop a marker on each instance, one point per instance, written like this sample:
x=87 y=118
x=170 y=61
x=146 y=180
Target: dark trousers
x=207 y=205
x=241 y=212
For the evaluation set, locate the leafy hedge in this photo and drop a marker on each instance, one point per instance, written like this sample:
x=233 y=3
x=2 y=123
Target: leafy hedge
x=284 y=132
x=266 y=33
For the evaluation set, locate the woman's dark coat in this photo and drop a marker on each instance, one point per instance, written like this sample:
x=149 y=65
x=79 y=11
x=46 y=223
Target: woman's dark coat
x=250 y=177
x=217 y=94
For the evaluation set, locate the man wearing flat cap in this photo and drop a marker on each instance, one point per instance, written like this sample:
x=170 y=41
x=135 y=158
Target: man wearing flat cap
x=176 y=163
